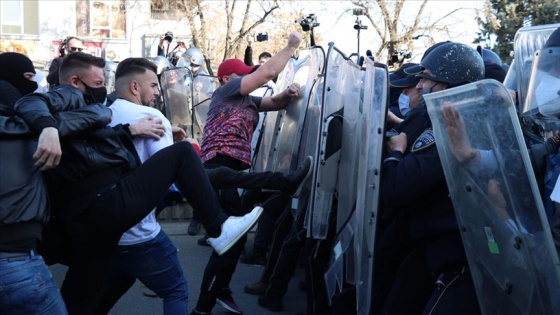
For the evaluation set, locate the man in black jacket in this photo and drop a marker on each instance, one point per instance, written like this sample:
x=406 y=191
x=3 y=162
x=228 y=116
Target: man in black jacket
x=99 y=190
x=27 y=285
x=70 y=45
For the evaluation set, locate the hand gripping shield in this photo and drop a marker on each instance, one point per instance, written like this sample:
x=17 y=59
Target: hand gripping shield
x=285 y=156
x=267 y=128
x=503 y=225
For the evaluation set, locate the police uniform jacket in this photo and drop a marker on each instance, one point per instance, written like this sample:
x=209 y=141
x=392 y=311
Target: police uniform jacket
x=414 y=185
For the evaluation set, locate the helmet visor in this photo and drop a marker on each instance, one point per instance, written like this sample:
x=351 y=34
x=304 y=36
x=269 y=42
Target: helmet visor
x=544 y=85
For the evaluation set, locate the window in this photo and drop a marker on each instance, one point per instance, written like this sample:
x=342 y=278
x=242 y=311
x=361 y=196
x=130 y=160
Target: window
x=19 y=17
x=166 y=9
x=101 y=19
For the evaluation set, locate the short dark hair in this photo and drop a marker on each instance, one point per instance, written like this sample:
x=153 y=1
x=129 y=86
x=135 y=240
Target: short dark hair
x=69 y=38
x=78 y=62
x=265 y=54
x=134 y=66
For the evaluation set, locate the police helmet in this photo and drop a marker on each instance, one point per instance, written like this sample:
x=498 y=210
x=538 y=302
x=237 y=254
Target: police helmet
x=110 y=66
x=491 y=58
x=161 y=63
x=194 y=56
x=454 y=64
x=553 y=40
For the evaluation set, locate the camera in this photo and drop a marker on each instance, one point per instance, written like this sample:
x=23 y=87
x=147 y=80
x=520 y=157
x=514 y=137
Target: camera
x=359 y=11
x=168 y=37
x=308 y=23
x=261 y=37
x=400 y=54
x=358 y=25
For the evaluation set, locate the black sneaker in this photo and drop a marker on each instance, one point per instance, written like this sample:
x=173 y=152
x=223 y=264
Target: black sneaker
x=253 y=258
x=299 y=178
x=195 y=312
x=194 y=227
x=271 y=305
x=257 y=288
x=225 y=300
x=203 y=241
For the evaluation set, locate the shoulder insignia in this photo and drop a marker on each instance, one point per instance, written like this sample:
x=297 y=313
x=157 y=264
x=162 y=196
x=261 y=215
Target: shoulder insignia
x=425 y=140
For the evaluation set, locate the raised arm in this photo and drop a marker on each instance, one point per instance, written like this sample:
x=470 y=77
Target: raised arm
x=272 y=67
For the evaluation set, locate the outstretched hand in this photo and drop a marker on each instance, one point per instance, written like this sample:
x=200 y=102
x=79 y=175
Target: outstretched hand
x=456 y=134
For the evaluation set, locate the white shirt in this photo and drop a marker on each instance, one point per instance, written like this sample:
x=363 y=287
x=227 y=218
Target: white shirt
x=125 y=112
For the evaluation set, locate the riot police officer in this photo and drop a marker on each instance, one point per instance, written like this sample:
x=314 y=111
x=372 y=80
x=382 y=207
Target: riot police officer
x=434 y=276
x=193 y=59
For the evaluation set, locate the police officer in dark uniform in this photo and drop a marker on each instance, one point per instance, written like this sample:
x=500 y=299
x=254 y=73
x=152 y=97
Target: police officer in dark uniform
x=434 y=276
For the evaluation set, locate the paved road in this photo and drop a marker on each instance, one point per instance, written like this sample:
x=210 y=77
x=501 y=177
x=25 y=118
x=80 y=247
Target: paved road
x=193 y=258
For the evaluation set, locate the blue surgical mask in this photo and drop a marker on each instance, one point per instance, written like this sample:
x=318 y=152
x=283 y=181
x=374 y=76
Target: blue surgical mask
x=404 y=104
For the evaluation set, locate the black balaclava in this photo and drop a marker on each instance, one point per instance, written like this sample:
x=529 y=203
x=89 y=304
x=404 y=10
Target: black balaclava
x=12 y=67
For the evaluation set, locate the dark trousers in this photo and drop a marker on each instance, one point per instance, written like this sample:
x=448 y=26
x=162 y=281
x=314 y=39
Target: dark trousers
x=219 y=269
x=227 y=178
x=416 y=290
x=94 y=222
x=275 y=206
x=220 y=177
x=317 y=257
x=289 y=239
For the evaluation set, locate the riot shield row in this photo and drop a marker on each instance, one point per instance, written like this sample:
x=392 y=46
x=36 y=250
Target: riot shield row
x=187 y=99
x=339 y=120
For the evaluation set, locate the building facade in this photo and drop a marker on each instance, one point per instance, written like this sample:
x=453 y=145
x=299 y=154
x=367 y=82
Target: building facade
x=112 y=29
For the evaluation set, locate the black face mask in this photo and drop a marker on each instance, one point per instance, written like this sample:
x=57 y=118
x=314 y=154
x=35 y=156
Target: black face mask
x=27 y=86
x=23 y=85
x=97 y=95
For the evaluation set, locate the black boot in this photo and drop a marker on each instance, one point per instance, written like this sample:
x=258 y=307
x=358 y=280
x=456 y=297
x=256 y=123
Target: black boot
x=298 y=179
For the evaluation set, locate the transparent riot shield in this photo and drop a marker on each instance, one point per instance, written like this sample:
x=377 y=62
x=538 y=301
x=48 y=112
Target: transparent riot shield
x=285 y=155
x=352 y=89
x=187 y=99
x=329 y=139
x=528 y=40
x=258 y=135
x=505 y=231
x=369 y=177
x=176 y=86
x=202 y=89
x=269 y=128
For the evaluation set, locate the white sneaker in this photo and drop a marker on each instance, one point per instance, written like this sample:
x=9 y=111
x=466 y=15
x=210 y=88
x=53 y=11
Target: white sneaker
x=233 y=229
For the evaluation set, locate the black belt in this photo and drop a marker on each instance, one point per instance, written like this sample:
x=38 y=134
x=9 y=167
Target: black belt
x=17 y=256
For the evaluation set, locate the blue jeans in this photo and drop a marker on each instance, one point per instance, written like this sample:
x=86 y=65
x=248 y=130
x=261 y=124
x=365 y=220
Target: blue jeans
x=26 y=287
x=156 y=264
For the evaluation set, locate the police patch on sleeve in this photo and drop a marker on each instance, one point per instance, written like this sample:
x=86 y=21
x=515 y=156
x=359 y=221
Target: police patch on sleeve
x=425 y=140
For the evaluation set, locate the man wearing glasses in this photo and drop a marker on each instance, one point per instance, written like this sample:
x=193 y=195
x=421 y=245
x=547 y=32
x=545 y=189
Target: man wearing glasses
x=70 y=45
